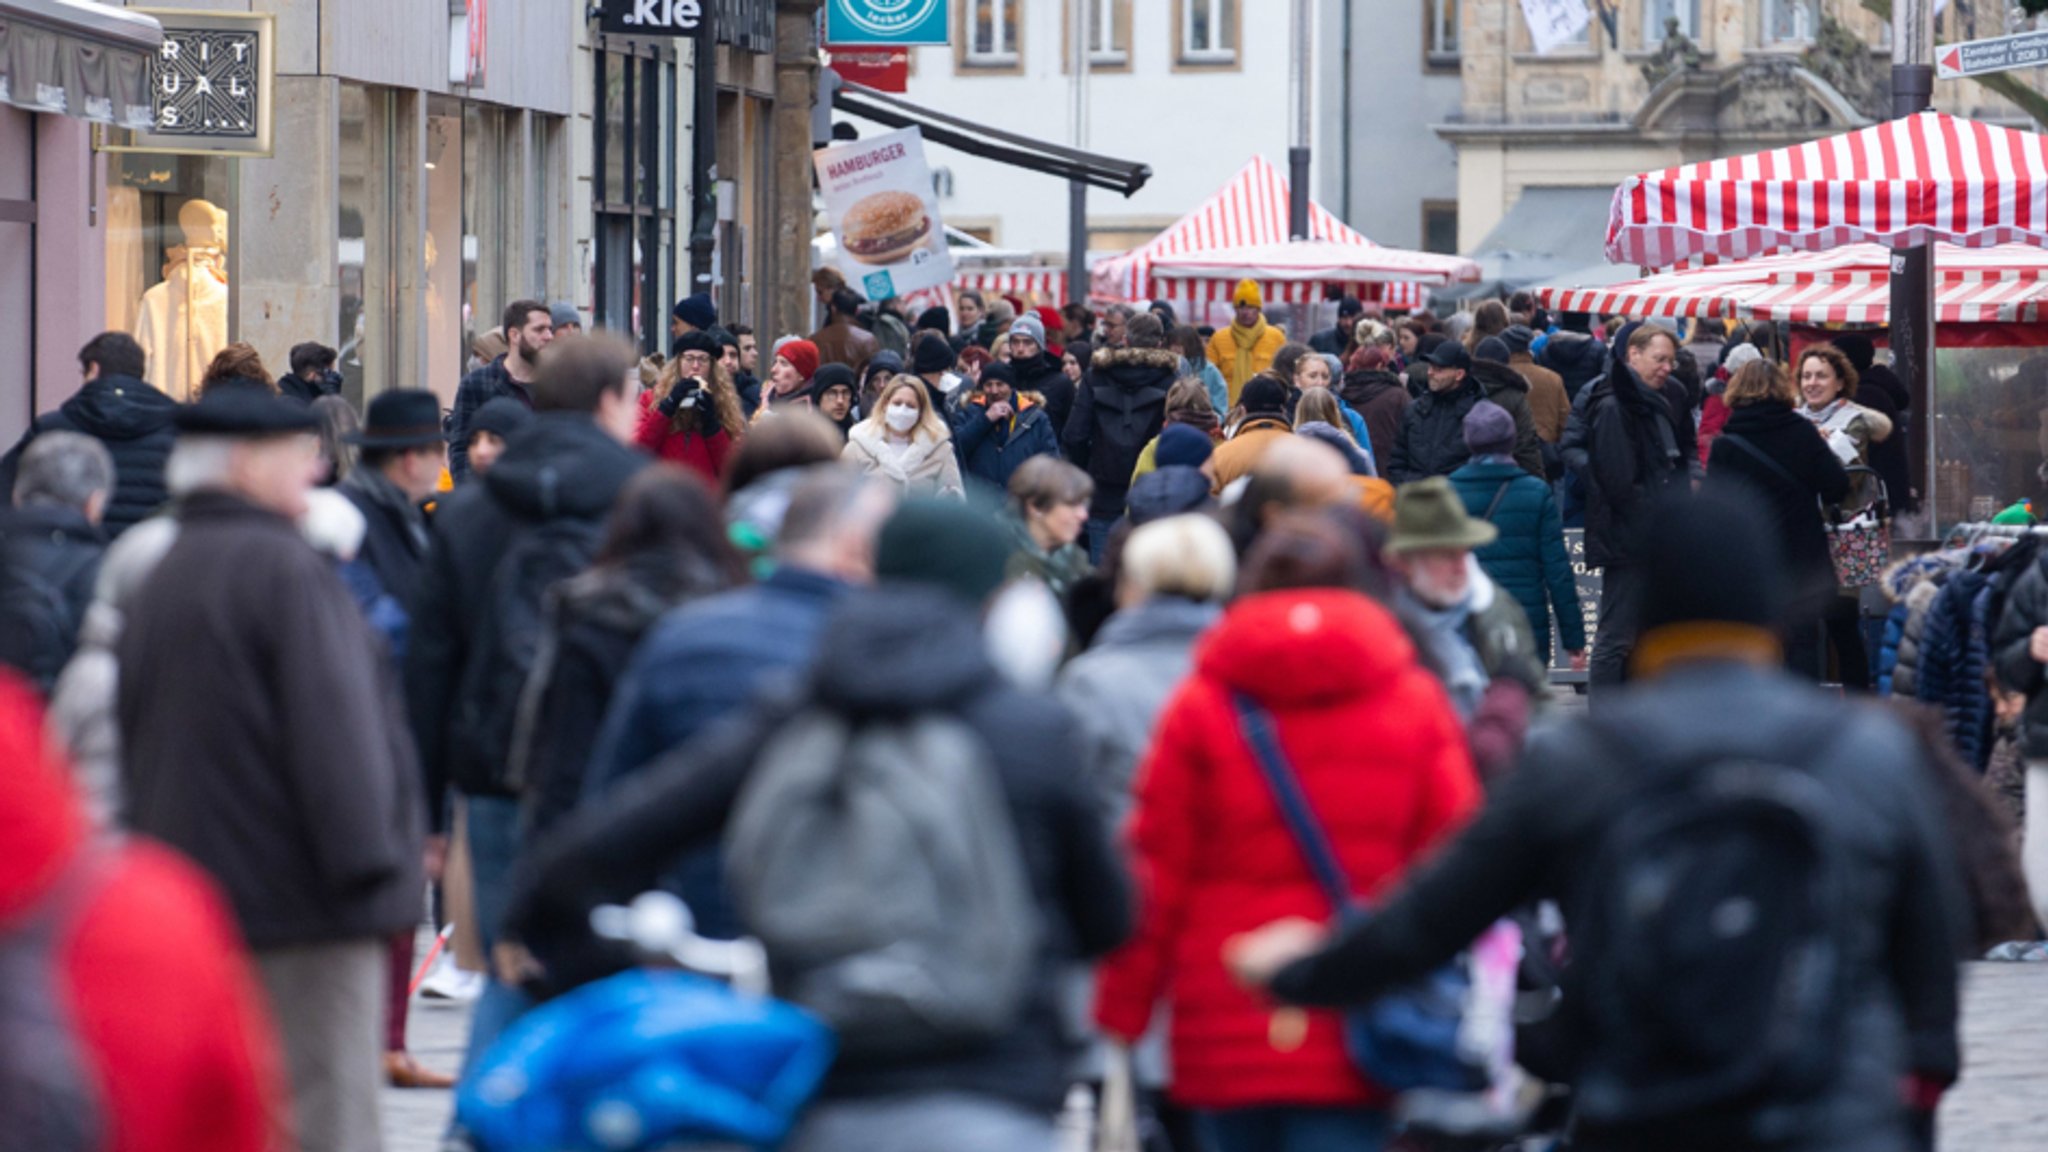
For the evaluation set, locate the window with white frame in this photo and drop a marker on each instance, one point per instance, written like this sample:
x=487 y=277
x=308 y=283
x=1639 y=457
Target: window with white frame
x=1441 y=32
x=1109 y=31
x=1658 y=15
x=1208 y=31
x=992 y=27
x=1790 y=21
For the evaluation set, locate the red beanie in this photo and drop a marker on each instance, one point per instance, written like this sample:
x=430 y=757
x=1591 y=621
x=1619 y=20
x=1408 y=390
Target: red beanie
x=1054 y=325
x=802 y=355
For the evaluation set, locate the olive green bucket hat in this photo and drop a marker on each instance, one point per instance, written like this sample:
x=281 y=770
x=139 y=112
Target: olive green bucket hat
x=1428 y=515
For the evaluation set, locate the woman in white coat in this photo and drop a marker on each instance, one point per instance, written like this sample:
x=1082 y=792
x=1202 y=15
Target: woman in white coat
x=904 y=441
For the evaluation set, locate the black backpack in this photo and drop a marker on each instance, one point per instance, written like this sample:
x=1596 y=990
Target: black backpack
x=38 y=622
x=540 y=556
x=1709 y=974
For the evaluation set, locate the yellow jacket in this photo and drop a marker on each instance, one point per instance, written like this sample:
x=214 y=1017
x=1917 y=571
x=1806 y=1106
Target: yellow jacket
x=1223 y=354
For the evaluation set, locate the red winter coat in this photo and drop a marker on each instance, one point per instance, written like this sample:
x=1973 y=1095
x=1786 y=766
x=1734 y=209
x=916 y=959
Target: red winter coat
x=1381 y=757
x=691 y=449
x=171 y=1023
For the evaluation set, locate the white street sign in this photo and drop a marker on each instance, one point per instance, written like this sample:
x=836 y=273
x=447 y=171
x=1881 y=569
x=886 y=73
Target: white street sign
x=1999 y=54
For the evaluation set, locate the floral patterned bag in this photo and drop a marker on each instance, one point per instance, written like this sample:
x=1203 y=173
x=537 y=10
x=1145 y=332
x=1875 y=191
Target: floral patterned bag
x=1861 y=542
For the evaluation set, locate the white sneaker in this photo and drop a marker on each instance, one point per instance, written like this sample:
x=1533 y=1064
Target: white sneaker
x=447 y=982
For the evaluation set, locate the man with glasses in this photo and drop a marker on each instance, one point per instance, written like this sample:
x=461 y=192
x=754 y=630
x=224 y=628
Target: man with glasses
x=529 y=326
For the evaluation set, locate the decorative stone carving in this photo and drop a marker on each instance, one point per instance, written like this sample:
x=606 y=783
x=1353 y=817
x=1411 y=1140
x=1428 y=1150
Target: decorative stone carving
x=1841 y=60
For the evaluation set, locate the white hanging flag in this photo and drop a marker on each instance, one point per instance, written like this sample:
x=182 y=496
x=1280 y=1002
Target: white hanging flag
x=1553 y=23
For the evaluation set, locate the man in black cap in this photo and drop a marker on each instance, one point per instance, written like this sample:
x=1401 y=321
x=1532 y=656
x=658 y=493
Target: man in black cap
x=262 y=737
x=1333 y=341
x=1432 y=437
x=932 y=361
x=403 y=451
x=1764 y=909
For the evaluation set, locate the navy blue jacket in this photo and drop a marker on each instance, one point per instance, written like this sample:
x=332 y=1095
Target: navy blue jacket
x=1954 y=652
x=1529 y=559
x=134 y=421
x=990 y=451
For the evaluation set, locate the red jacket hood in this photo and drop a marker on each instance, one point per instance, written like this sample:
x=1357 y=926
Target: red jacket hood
x=41 y=823
x=1305 y=645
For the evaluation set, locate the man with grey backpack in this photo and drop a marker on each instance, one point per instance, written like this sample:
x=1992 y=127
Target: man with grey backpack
x=909 y=836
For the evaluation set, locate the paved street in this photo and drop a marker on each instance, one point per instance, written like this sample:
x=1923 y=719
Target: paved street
x=1999 y=1107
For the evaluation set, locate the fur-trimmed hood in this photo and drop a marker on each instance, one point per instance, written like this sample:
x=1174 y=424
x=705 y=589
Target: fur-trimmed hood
x=1108 y=358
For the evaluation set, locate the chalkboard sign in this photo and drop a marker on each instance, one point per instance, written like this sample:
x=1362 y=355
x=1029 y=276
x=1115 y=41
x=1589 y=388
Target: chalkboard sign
x=1588 y=581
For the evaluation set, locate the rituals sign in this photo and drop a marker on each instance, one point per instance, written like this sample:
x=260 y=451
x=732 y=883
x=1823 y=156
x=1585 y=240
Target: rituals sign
x=209 y=85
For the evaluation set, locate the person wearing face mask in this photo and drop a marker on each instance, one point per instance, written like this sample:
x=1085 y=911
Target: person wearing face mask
x=903 y=442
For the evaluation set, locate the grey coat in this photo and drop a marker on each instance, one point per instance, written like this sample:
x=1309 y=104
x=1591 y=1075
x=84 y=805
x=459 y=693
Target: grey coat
x=1118 y=687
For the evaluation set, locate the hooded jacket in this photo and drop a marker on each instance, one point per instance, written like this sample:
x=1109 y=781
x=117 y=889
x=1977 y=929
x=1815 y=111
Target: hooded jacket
x=1792 y=502
x=990 y=450
x=884 y=652
x=262 y=735
x=1506 y=387
x=1528 y=559
x=562 y=466
x=1432 y=437
x=929 y=468
x=1380 y=755
x=1119 y=686
x=196 y=1063
x=1046 y=375
x=133 y=420
x=1380 y=398
x=1120 y=408
x=1577 y=358
x=49 y=560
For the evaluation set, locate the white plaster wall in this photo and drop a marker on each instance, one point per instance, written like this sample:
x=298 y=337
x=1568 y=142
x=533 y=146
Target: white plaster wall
x=1195 y=128
x=1397 y=160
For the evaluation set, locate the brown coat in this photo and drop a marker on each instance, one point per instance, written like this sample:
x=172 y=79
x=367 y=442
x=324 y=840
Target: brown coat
x=263 y=735
x=1548 y=404
x=840 y=342
x=1240 y=454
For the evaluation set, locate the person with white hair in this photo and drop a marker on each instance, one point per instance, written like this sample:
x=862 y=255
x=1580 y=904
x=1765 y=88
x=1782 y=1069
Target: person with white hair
x=262 y=737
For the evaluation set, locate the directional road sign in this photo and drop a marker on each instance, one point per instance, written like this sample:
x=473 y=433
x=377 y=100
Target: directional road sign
x=1999 y=54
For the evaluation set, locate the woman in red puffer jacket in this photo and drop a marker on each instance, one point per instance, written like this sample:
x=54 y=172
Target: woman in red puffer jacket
x=692 y=415
x=1383 y=762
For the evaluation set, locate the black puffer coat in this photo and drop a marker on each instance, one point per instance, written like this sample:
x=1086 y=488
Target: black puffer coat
x=885 y=651
x=134 y=421
x=1807 y=475
x=1432 y=437
x=1506 y=387
x=1632 y=454
x=1120 y=408
x=49 y=561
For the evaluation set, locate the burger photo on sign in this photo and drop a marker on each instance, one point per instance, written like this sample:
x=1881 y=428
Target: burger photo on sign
x=885 y=227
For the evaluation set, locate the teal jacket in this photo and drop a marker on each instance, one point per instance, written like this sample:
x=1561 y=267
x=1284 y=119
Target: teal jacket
x=1529 y=560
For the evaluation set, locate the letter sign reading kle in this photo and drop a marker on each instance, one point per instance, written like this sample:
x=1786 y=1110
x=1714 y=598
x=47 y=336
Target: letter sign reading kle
x=652 y=17
x=209 y=86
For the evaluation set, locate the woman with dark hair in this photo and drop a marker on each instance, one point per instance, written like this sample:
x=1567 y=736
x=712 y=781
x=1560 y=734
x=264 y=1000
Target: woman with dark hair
x=1194 y=361
x=692 y=415
x=665 y=543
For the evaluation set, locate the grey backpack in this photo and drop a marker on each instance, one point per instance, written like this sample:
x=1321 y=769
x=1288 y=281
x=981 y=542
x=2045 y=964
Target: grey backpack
x=878 y=864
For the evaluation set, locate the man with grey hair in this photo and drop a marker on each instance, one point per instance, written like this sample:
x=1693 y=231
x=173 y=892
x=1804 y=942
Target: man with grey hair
x=50 y=550
x=1115 y=326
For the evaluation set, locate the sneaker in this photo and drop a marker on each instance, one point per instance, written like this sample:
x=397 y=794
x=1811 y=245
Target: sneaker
x=447 y=982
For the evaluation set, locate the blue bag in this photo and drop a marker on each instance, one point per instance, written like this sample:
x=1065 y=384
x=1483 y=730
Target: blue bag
x=1408 y=1038
x=643 y=1059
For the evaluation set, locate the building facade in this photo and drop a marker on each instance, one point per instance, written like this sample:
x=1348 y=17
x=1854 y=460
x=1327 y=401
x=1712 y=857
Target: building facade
x=1193 y=88
x=1388 y=76
x=1662 y=82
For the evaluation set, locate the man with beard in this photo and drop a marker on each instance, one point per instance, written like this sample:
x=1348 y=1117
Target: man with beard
x=1039 y=371
x=529 y=326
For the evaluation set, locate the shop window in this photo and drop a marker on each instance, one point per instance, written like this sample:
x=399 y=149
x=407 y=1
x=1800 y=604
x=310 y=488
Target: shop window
x=634 y=276
x=1208 y=33
x=1440 y=226
x=1440 y=33
x=366 y=200
x=992 y=37
x=1658 y=16
x=1790 y=22
x=169 y=238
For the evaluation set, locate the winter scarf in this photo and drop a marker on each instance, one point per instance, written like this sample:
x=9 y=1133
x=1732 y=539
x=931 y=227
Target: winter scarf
x=1246 y=339
x=1443 y=631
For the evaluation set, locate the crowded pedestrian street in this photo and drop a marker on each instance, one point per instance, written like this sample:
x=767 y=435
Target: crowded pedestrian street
x=984 y=576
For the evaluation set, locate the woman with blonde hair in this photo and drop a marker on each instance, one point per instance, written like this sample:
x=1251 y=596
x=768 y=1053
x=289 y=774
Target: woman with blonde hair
x=692 y=415
x=904 y=441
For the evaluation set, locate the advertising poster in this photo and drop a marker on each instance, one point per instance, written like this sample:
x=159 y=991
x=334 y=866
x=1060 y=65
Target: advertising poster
x=878 y=193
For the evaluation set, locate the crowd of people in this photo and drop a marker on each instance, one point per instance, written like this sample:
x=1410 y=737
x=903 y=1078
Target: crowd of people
x=1203 y=639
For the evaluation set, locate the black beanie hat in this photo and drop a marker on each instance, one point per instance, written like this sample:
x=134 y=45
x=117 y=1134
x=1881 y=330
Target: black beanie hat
x=934 y=319
x=933 y=354
x=830 y=376
x=1712 y=557
x=1263 y=395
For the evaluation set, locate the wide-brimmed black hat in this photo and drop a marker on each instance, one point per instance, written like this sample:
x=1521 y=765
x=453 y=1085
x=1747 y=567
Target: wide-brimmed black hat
x=402 y=418
x=248 y=410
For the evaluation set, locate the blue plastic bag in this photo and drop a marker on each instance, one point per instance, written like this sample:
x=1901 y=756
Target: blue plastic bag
x=641 y=1059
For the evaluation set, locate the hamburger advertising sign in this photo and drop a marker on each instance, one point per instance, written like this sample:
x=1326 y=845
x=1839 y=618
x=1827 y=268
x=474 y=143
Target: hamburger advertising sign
x=878 y=193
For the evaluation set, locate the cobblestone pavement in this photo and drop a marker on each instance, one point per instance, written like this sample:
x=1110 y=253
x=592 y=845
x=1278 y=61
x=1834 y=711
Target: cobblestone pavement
x=436 y=1031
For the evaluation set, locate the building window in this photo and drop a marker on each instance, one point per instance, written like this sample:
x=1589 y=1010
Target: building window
x=1440 y=226
x=1790 y=21
x=635 y=274
x=1441 y=33
x=1109 y=36
x=1657 y=18
x=1208 y=31
x=992 y=34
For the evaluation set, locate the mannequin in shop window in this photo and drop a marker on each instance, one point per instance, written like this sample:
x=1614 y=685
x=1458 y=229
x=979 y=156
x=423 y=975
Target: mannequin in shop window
x=184 y=319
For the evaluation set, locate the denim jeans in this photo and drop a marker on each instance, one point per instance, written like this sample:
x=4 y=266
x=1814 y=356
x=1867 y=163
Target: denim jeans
x=494 y=840
x=1294 y=1130
x=1098 y=536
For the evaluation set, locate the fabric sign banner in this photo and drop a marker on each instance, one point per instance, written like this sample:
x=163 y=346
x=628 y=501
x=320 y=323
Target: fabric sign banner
x=1555 y=23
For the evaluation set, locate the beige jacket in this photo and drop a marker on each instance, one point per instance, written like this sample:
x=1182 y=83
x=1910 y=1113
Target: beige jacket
x=929 y=468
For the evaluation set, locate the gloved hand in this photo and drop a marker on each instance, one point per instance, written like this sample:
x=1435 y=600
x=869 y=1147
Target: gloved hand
x=708 y=424
x=685 y=394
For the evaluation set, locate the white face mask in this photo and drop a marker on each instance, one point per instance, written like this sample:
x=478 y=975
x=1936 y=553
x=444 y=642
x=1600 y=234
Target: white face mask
x=901 y=417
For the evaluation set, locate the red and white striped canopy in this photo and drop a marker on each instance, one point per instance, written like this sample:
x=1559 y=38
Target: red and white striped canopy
x=1916 y=180
x=1248 y=213
x=1314 y=262
x=1847 y=286
x=1046 y=285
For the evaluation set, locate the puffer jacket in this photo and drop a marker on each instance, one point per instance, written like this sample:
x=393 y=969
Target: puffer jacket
x=1910 y=586
x=1379 y=397
x=1953 y=659
x=1120 y=407
x=1528 y=560
x=1045 y=375
x=2025 y=609
x=1381 y=758
x=1432 y=437
x=133 y=421
x=989 y=451
x=1506 y=387
x=1577 y=358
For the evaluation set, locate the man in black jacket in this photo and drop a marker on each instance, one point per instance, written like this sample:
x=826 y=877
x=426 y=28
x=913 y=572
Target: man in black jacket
x=117 y=409
x=1432 y=437
x=312 y=375
x=1632 y=454
x=529 y=326
x=403 y=451
x=1708 y=654
x=1038 y=370
x=559 y=476
x=1334 y=341
x=1120 y=407
x=913 y=646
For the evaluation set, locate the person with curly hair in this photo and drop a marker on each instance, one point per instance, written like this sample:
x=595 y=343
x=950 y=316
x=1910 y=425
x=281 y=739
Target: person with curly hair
x=692 y=415
x=240 y=364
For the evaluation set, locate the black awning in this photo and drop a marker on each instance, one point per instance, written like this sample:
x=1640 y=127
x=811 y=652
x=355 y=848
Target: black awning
x=1122 y=176
x=79 y=59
